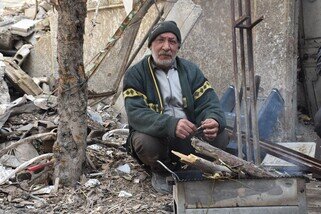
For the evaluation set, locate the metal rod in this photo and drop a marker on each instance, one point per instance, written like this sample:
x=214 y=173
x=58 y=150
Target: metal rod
x=290 y=155
x=240 y=25
x=249 y=150
x=240 y=20
x=236 y=80
x=256 y=146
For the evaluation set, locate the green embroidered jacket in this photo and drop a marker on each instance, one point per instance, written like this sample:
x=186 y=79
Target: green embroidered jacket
x=144 y=104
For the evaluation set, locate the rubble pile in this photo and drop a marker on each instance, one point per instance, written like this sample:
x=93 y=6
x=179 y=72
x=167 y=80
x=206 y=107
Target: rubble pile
x=112 y=181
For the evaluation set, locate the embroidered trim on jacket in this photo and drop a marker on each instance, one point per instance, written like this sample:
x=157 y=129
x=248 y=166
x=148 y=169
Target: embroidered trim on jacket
x=130 y=92
x=201 y=90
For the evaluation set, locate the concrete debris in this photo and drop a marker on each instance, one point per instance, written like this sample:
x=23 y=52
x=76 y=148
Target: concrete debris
x=124 y=168
x=92 y=183
x=45 y=190
x=6 y=109
x=24 y=27
x=125 y=194
x=31 y=12
x=4 y=172
x=22 y=53
x=43 y=101
x=10 y=161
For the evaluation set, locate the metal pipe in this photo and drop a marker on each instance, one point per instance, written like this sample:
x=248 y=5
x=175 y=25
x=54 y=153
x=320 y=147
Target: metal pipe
x=236 y=82
x=290 y=155
x=249 y=150
x=255 y=131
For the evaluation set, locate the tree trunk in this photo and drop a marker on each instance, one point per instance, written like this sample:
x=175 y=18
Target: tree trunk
x=69 y=149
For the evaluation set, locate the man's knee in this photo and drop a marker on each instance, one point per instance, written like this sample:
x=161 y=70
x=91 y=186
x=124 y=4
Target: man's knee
x=149 y=149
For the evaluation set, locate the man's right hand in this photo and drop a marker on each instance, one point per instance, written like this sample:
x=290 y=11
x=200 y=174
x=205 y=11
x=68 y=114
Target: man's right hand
x=184 y=129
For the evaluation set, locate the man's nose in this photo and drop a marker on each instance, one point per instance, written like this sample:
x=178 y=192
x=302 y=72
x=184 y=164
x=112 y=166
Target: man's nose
x=166 y=45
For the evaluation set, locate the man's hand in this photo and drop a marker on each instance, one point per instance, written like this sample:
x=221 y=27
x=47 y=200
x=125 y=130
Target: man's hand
x=210 y=127
x=184 y=128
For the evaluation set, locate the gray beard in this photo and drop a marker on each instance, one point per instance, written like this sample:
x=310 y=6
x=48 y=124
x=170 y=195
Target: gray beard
x=163 y=63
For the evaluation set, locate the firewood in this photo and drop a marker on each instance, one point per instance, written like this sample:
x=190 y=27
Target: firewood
x=201 y=163
x=231 y=160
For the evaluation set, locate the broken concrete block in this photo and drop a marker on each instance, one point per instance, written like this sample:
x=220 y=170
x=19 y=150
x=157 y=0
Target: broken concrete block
x=22 y=53
x=43 y=82
x=24 y=28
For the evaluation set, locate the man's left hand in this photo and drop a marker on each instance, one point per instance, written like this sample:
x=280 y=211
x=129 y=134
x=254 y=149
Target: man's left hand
x=211 y=128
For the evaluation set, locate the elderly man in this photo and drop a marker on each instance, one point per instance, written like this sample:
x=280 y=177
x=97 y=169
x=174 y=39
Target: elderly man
x=166 y=99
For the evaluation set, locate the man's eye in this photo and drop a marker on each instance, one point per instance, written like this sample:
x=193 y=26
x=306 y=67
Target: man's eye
x=172 y=42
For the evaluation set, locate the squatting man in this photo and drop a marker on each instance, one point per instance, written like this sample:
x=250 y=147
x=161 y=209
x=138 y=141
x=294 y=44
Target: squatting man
x=166 y=99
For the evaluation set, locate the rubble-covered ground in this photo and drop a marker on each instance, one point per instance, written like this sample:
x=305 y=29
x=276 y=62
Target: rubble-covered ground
x=112 y=182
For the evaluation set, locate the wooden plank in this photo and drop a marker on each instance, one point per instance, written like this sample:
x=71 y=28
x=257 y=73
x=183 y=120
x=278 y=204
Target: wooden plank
x=20 y=79
x=185 y=13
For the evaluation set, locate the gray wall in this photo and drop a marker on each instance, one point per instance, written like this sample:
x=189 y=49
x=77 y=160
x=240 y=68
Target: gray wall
x=275 y=50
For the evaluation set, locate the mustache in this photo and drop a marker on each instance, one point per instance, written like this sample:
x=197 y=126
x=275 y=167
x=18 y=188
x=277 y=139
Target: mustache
x=165 y=53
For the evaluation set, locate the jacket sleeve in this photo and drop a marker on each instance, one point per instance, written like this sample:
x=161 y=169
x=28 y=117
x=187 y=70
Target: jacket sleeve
x=140 y=117
x=206 y=102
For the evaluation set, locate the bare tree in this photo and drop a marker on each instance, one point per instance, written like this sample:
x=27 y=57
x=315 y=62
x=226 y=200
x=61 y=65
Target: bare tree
x=69 y=149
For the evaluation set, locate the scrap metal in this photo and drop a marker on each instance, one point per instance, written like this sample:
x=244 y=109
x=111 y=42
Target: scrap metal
x=248 y=26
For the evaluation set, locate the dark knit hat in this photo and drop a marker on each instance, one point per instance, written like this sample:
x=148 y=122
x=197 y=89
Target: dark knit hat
x=164 y=27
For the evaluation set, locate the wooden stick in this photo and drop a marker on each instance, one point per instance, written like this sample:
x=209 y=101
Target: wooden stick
x=201 y=164
x=218 y=154
x=26 y=140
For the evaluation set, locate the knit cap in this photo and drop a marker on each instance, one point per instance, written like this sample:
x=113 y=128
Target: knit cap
x=164 y=27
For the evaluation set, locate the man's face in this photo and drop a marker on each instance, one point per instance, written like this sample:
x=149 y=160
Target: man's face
x=164 y=49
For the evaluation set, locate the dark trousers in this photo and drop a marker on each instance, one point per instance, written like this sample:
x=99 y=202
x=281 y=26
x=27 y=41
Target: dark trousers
x=149 y=149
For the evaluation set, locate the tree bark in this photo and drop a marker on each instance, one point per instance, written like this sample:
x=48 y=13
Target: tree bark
x=69 y=149
x=231 y=160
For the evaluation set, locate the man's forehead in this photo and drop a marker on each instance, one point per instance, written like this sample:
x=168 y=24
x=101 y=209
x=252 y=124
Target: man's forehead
x=168 y=35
